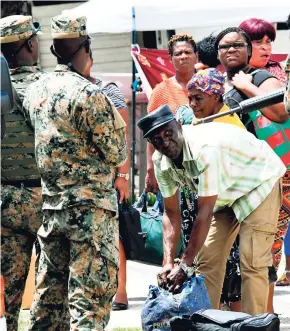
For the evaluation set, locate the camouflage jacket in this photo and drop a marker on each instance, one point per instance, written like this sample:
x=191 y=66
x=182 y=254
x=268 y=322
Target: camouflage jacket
x=79 y=140
x=287 y=94
x=17 y=148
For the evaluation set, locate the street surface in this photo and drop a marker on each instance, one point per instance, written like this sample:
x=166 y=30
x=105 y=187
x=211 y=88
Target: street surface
x=140 y=276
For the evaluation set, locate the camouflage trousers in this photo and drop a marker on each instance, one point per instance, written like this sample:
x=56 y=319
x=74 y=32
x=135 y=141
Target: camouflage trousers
x=78 y=266
x=21 y=217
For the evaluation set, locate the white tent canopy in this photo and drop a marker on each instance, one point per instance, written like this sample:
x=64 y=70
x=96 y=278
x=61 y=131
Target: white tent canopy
x=115 y=16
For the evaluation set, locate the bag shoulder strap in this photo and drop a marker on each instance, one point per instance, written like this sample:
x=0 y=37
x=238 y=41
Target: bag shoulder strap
x=259 y=76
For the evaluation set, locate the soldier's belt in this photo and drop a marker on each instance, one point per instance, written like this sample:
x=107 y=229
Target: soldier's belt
x=20 y=183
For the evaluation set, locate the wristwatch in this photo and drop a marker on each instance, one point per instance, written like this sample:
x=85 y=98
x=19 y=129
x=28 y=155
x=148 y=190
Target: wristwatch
x=125 y=176
x=188 y=270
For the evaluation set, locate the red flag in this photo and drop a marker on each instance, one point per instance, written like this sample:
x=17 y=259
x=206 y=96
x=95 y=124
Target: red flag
x=153 y=66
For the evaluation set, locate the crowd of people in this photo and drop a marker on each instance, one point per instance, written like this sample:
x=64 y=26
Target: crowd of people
x=64 y=157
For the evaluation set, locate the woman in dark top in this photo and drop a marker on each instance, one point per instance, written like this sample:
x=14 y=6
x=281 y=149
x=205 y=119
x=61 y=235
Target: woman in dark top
x=234 y=51
x=234 y=48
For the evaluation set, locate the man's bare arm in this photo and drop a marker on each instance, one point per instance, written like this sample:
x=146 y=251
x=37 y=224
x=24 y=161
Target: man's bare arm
x=171 y=228
x=150 y=180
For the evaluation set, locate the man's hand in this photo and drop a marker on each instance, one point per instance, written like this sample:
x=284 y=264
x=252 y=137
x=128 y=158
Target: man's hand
x=162 y=280
x=122 y=185
x=176 y=279
x=151 y=184
x=241 y=80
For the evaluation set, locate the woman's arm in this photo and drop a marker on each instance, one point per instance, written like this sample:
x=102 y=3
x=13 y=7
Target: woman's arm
x=121 y=184
x=243 y=82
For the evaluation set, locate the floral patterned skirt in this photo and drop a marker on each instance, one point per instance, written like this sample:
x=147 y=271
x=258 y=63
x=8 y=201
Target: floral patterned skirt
x=188 y=209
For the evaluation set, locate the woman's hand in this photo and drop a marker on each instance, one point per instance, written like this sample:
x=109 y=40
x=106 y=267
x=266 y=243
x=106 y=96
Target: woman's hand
x=241 y=80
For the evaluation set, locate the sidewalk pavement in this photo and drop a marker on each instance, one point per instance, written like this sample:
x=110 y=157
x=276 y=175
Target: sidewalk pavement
x=140 y=276
x=282 y=300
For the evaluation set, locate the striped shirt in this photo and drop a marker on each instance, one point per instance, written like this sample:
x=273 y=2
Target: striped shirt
x=224 y=160
x=113 y=92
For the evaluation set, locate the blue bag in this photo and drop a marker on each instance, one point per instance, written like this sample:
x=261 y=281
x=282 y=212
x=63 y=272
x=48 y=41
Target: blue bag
x=162 y=305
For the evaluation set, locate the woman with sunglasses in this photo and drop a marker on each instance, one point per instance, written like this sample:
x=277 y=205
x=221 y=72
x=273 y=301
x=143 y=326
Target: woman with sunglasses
x=242 y=82
x=262 y=34
x=234 y=51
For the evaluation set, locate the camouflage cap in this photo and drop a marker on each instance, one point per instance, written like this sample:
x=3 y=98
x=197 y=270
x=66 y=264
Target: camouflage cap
x=64 y=27
x=17 y=27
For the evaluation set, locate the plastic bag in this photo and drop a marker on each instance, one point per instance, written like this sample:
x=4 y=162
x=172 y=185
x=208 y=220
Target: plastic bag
x=162 y=305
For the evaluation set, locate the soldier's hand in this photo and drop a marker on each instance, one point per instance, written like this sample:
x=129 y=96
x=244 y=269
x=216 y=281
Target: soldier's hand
x=122 y=185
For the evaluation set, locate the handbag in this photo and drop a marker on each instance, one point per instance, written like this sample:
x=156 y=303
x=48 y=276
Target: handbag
x=277 y=135
x=152 y=232
x=141 y=231
x=231 y=291
x=161 y=305
x=219 y=320
x=130 y=230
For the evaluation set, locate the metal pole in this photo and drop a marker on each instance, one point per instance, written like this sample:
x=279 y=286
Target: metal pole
x=133 y=114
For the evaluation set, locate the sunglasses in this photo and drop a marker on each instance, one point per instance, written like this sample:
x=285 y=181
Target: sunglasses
x=37 y=26
x=86 y=44
x=226 y=47
x=159 y=141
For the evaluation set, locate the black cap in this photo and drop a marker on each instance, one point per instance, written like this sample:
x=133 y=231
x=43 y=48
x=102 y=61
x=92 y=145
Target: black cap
x=155 y=119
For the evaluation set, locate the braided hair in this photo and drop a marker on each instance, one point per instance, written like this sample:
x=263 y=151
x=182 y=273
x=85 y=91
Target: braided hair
x=226 y=31
x=180 y=37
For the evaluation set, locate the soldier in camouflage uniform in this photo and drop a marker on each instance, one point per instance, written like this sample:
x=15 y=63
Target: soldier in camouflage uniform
x=80 y=140
x=21 y=192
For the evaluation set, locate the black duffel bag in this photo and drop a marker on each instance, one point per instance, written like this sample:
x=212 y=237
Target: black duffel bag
x=141 y=231
x=130 y=230
x=219 y=320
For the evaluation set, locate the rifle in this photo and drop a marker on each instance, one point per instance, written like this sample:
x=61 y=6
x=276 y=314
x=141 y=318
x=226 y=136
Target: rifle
x=248 y=105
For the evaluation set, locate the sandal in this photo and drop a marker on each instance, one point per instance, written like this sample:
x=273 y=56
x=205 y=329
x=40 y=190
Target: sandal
x=284 y=280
